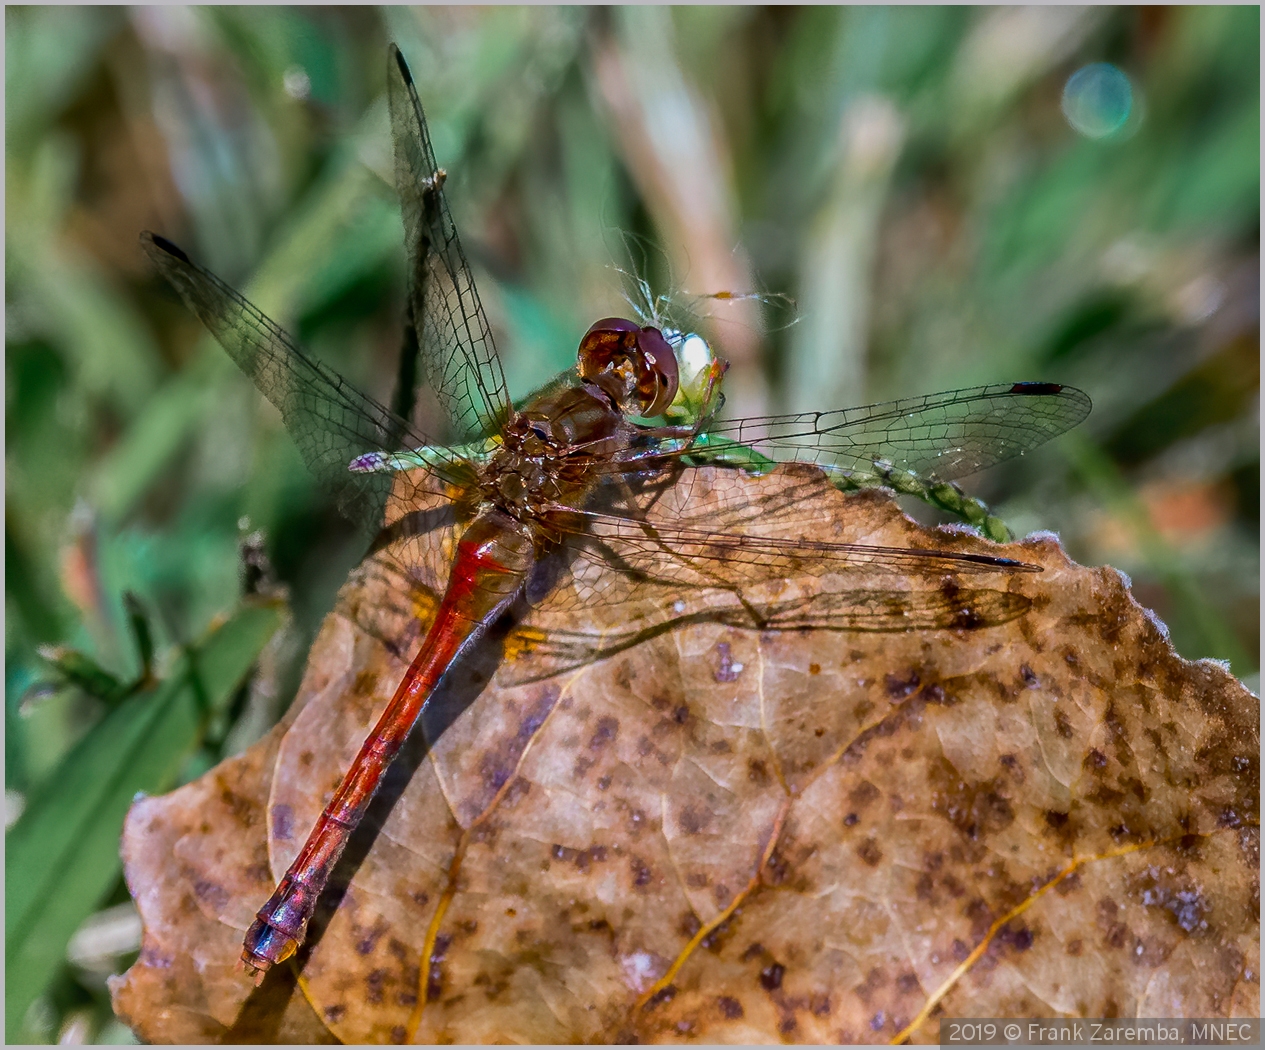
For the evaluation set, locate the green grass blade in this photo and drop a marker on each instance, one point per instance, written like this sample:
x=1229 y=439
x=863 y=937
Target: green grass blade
x=62 y=856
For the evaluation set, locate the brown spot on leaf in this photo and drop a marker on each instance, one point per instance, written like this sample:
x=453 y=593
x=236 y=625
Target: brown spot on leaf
x=863 y=794
x=899 y=686
x=776 y=869
x=211 y=894
x=664 y=995
x=771 y=977
x=727 y=669
x=369 y=940
x=435 y=977
x=730 y=1008
x=869 y=852
x=641 y=872
x=606 y=730
x=977 y=810
x=694 y=818
x=282 y=822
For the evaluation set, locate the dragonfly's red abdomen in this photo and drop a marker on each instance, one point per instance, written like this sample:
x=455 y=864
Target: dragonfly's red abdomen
x=494 y=557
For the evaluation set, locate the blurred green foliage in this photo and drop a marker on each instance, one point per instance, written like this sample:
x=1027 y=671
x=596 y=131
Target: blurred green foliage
x=905 y=173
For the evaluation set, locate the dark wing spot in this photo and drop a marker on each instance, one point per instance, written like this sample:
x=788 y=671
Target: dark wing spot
x=169 y=248
x=402 y=66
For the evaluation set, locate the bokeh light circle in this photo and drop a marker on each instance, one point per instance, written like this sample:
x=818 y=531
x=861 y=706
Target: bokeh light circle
x=1097 y=100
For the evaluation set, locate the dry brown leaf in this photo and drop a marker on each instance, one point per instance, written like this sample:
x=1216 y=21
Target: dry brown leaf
x=722 y=834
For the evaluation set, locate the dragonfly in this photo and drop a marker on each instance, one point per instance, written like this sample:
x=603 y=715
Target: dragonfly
x=594 y=475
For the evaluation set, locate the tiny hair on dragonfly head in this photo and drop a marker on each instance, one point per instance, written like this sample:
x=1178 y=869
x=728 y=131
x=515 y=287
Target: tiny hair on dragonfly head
x=679 y=310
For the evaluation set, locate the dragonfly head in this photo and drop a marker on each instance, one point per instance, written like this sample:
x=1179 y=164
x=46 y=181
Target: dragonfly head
x=632 y=364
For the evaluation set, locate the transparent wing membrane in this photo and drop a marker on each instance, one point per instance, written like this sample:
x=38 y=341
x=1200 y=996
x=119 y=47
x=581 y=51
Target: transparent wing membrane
x=942 y=436
x=457 y=355
x=330 y=421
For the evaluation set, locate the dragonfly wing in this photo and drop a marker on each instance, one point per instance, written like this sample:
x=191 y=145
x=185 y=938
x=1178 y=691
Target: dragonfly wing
x=457 y=355
x=704 y=531
x=329 y=420
x=710 y=545
x=944 y=436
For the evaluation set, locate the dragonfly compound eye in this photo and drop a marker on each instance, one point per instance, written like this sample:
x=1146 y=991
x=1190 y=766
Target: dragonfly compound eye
x=640 y=357
x=657 y=375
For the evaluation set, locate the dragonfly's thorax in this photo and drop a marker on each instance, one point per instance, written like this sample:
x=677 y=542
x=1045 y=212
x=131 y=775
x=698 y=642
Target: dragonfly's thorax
x=549 y=450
